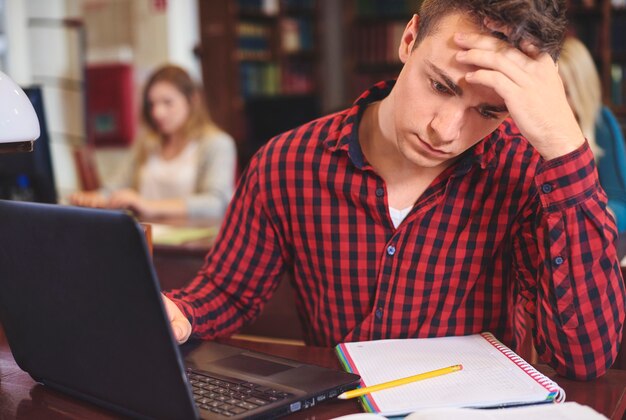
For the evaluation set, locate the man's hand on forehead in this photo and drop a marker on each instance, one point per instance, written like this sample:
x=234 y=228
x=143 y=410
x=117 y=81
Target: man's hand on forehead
x=503 y=33
x=499 y=30
x=528 y=82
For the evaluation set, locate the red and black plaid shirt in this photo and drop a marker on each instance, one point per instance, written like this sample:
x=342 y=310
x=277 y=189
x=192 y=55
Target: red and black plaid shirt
x=500 y=229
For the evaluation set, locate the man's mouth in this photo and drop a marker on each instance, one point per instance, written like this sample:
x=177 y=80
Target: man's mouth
x=431 y=149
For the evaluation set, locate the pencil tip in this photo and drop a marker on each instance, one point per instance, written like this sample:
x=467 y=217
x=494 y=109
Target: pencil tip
x=342 y=396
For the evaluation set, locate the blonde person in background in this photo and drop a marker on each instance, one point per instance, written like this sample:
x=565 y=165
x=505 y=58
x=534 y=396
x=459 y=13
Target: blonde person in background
x=183 y=165
x=584 y=93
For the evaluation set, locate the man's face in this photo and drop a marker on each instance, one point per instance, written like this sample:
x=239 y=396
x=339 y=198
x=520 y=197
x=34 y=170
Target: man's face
x=438 y=115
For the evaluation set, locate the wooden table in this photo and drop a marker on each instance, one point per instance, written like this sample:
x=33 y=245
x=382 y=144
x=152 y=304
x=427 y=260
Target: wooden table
x=22 y=398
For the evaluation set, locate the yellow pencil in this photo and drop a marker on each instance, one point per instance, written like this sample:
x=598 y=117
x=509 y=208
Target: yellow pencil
x=402 y=381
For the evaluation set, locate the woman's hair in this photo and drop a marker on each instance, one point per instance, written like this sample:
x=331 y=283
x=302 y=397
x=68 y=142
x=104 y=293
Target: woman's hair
x=582 y=83
x=542 y=22
x=198 y=121
x=198 y=124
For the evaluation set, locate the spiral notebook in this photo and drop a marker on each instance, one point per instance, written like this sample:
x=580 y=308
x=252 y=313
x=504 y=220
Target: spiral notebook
x=492 y=375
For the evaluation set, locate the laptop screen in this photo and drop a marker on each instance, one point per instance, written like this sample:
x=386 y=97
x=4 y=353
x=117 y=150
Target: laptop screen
x=82 y=311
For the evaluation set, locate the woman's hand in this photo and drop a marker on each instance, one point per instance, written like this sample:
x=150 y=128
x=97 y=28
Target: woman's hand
x=129 y=199
x=88 y=199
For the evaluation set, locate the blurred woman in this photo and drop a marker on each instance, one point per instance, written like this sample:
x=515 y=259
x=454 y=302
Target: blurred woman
x=183 y=165
x=598 y=124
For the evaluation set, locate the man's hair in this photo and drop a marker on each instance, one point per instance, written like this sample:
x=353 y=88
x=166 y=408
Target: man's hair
x=542 y=22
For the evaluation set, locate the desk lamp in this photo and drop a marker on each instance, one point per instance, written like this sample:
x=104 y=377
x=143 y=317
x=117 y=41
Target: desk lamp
x=19 y=126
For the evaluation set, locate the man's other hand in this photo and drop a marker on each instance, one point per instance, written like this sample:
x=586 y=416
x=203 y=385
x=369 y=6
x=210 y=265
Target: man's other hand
x=178 y=322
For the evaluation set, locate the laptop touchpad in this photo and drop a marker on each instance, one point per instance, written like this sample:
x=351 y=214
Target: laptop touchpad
x=253 y=365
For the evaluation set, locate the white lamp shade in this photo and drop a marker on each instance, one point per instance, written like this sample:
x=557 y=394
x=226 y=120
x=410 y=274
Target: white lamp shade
x=18 y=120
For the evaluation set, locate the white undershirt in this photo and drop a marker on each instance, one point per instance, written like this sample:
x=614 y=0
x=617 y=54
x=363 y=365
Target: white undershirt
x=397 y=216
x=161 y=179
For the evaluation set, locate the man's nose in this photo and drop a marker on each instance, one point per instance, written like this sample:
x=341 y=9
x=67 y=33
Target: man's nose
x=447 y=123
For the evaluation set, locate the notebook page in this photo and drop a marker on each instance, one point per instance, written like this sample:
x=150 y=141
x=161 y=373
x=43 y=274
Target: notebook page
x=488 y=378
x=565 y=411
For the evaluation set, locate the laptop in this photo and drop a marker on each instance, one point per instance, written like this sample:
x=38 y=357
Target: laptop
x=81 y=308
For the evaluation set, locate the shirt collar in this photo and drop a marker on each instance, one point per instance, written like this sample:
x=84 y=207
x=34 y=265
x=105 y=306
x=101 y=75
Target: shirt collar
x=347 y=134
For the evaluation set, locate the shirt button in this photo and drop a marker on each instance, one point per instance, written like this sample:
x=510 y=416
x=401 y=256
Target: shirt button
x=379 y=313
x=546 y=188
x=391 y=250
x=380 y=192
x=558 y=260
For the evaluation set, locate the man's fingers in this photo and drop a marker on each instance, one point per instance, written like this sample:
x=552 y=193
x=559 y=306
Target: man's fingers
x=475 y=40
x=181 y=328
x=179 y=332
x=529 y=48
x=489 y=52
x=497 y=27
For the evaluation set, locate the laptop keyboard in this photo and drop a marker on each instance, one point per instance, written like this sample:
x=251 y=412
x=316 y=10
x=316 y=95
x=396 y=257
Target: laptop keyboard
x=228 y=396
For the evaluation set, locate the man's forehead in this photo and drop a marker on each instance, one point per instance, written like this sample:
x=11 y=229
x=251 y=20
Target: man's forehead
x=484 y=96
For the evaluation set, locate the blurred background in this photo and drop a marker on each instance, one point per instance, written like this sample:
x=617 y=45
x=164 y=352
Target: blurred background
x=265 y=65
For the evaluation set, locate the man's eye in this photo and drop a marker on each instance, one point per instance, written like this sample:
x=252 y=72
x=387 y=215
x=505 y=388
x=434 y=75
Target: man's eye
x=439 y=87
x=487 y=114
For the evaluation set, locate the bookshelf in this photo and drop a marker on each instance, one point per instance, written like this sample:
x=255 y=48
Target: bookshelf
x=601 y=25
x=377 y=27
x=260 y=61
x=617 y=85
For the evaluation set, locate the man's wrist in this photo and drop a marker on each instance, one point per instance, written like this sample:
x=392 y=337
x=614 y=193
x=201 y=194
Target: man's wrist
x=559 y=150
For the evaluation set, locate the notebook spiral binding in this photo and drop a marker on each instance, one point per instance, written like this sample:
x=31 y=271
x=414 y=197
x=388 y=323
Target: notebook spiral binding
x=557 y=393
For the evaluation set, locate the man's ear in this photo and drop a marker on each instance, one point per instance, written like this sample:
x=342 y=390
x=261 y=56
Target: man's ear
x=408 y=39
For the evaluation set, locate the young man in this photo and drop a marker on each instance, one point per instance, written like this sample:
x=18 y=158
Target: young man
x=423 y=211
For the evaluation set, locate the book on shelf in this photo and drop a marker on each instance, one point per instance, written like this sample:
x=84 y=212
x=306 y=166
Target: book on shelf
x=296 y=34
x=253 y=41
x=618 y=34
x=266 y=7
x=296 y=78
x=377 y=43
x=492 y=374
x=259 y=79
x=269 y=79
x=298 y=5
x=617 y=84
x=386 y=8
